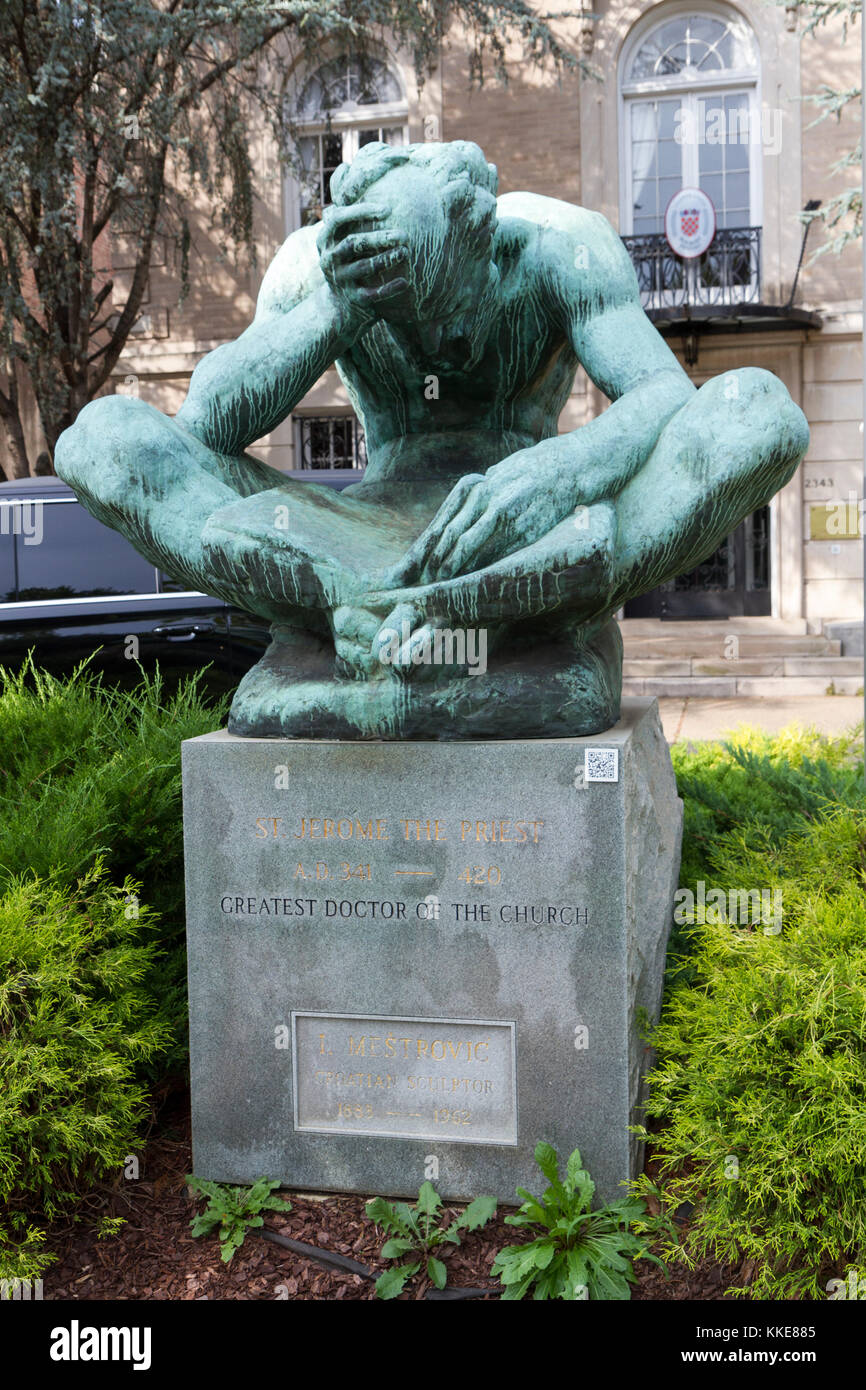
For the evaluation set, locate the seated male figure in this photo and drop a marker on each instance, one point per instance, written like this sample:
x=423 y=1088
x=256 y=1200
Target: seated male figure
x=457 y=322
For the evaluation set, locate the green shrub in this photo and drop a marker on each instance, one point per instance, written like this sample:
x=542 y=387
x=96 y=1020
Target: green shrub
x=763 y=788
x=22 y=1254
x=90 y=772
x=76 y=1021
x=761 y=1073
x=770 y=784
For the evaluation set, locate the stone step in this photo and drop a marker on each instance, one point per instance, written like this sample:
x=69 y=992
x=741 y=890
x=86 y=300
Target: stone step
x=771 y=665
x=769 y=687
x=753 y=687
x=821 y=665
x=682 y=687
x=680 y=648
x=767 y=658
x=665 y=667
x=849 y=632
x=639 y=627
x=656 y=666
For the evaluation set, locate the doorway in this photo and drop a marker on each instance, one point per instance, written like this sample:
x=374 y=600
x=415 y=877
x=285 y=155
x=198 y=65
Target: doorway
x=732 y=582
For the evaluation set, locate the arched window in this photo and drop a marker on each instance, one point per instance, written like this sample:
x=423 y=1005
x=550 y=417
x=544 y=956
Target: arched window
x=690 y=118
x=346 y=103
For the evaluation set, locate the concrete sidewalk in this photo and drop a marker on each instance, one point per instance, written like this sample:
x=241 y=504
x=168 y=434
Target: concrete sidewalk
x=693 y=720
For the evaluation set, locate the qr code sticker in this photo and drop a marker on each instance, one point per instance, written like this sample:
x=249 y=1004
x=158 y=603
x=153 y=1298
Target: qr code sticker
x=601 y=764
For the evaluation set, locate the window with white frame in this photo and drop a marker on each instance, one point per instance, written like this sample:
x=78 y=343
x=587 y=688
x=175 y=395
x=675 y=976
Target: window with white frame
x=345 y=104
x=691 y=118
x=329 y=441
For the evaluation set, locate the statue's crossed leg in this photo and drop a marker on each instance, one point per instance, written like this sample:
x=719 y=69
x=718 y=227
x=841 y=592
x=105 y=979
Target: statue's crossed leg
x=297 y=553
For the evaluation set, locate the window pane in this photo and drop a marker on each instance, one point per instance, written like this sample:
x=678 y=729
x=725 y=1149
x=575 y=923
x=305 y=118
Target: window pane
x=646 y=206
x=706 y=43
x=332 y=441
x=319 y=436
x=370 y=82
x=335 y=84
x=737 y=191
x=644 y=163
x=342 y=450
x=332 y=151
x=737 y=202
x=652 y=58
x=332 y=156
x=736 y=158
x=720 y=55
x=667 y=189
x=706 y=29
x=344 y=84
x=670 y=116
x=710 y=158
x=697 y=41
x=645 y=226
x=311 y=103
x=713 y=186
x=309 y=150
x=737 y=124
x=670 y=159
x=674 y=58
x=78 y=555
x=7 y=554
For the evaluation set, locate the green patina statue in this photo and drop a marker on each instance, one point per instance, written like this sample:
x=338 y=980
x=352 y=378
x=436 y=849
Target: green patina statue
x=466 y=587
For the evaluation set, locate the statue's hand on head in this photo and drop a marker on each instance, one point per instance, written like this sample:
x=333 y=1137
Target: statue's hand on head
x=363 y=262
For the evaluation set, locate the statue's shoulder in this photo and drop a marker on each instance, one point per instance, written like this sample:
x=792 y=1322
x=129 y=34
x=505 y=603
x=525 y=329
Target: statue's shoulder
x=293 y=274
x=540 y=211
x=567 y=245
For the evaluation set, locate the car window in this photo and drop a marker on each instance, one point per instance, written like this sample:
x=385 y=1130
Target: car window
x=7 y=557
x=64 y=552
x=168 y=585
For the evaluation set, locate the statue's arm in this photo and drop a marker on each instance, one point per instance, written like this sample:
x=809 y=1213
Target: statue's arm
x=318 y=296
x=585 y=278
x=622 y=353
x=245 y=388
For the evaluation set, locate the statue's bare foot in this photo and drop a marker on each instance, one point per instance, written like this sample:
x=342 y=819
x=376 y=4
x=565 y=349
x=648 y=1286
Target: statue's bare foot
x=355 y=629
x=370 y=645
x=415 y=646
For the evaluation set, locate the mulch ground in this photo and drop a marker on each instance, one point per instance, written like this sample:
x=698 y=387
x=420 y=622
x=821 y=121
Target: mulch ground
x=154 y=1255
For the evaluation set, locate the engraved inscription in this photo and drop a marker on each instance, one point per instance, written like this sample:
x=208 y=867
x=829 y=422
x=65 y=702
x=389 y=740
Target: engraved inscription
x=405 y=1077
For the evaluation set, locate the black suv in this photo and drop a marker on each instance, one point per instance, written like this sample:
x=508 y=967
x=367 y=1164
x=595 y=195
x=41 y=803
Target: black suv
x=72 y=588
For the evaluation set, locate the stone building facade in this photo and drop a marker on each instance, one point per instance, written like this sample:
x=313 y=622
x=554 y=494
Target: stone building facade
x=708 y=94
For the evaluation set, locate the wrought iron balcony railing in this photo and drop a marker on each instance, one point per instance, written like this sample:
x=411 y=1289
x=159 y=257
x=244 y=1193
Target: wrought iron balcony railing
x=727 y=274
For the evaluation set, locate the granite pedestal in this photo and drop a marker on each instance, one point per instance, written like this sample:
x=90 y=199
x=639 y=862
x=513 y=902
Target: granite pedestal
x=417 y=959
